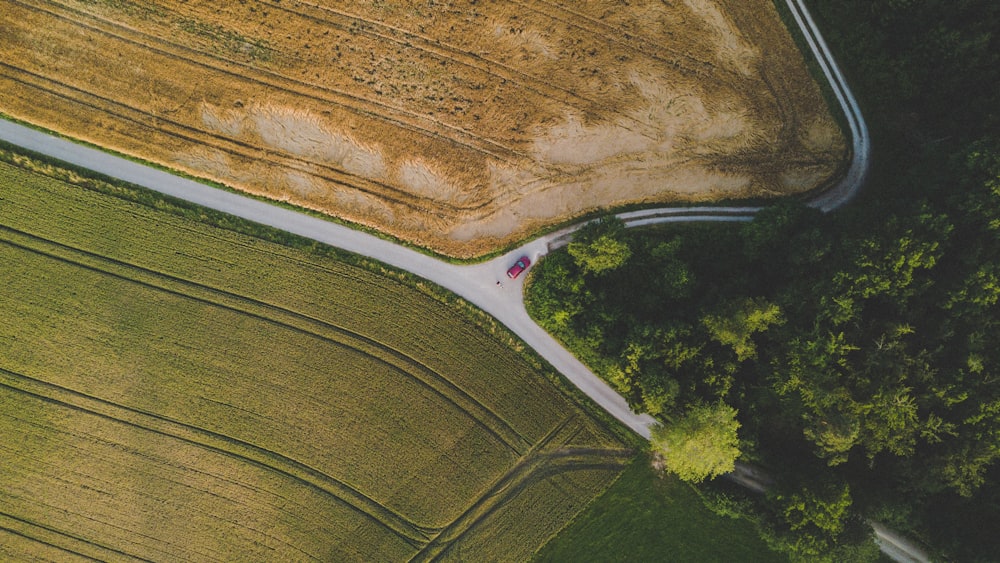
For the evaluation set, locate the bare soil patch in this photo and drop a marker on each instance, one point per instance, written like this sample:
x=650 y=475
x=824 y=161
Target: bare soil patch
x=457 y=125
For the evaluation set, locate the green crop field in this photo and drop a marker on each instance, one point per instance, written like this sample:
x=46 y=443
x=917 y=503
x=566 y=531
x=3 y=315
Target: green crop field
x=172 y=390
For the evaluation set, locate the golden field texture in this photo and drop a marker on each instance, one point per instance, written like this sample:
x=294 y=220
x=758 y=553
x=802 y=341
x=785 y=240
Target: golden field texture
x=459 y=125
x=174 y=391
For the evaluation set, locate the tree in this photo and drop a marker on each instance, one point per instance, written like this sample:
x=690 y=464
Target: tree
x=599 y=247
x=816 y=518
x=700 y=445
x=738 y=323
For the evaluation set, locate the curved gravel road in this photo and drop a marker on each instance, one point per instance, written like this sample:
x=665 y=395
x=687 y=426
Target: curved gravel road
x=477 y=283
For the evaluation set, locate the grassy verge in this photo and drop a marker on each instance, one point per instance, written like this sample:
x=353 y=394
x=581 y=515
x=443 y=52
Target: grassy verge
x=647 y=517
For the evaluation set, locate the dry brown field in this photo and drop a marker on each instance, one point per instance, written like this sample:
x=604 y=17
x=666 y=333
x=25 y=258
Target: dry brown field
x=460 y=125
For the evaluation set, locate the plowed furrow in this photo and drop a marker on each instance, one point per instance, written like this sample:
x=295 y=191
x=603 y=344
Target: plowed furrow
x=372 y=109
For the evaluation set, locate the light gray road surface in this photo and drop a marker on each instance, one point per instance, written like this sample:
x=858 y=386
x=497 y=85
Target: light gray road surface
x=477 y=283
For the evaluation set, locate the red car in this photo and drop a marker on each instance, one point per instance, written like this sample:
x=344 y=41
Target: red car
x=518 y=267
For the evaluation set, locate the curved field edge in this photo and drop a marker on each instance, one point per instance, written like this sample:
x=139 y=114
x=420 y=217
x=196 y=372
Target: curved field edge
x=162 y=120
x=590 y=431
x=285 y=238
x=209 y=218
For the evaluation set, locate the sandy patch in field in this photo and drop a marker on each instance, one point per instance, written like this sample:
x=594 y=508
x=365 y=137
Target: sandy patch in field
x=730 y=45
x=302 y=134
x=297 y=132
x=228 y=122
x=804 y=177
x=212 y=163
x=616 y=185
x=574 y=143
x=427 y=183
x=820 y=134
x=363 y=205
x=302 y=185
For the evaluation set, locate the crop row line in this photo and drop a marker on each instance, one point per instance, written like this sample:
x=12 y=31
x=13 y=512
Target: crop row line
x=225 y=445
x=47 y=469
x=395 y=360
x=445 y=51
x=358 y=104
x=128 y=534
x=63 y=541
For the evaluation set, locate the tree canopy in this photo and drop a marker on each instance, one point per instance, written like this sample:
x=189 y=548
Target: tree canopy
x=701 y=444
x=860 y=347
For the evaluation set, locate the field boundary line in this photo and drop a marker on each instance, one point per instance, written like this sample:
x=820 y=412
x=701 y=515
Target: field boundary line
x=407 y=367
x=225 y=445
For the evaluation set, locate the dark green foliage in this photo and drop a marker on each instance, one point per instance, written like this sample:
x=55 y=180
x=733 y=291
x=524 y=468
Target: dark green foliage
x=810 y=522
x=860 y=347
x=700 y=444
x=599 y=247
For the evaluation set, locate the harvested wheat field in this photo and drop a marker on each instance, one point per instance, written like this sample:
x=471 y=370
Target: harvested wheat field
x=457 y=125
x=172 y=391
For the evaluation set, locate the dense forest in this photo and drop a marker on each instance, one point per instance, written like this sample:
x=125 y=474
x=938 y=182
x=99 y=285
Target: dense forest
x=855 y=355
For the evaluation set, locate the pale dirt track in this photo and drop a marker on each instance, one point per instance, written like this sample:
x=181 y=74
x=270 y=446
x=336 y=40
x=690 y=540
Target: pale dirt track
x=477 y=282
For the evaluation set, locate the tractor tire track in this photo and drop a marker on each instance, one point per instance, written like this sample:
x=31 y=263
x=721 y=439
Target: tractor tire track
x=229 y=145
x=51 y=468
x=405 y=366
x=227 y=446
x=533 y=469
x=681 y=61
x=432 y=128
x=63 y=541
x=385 y=32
